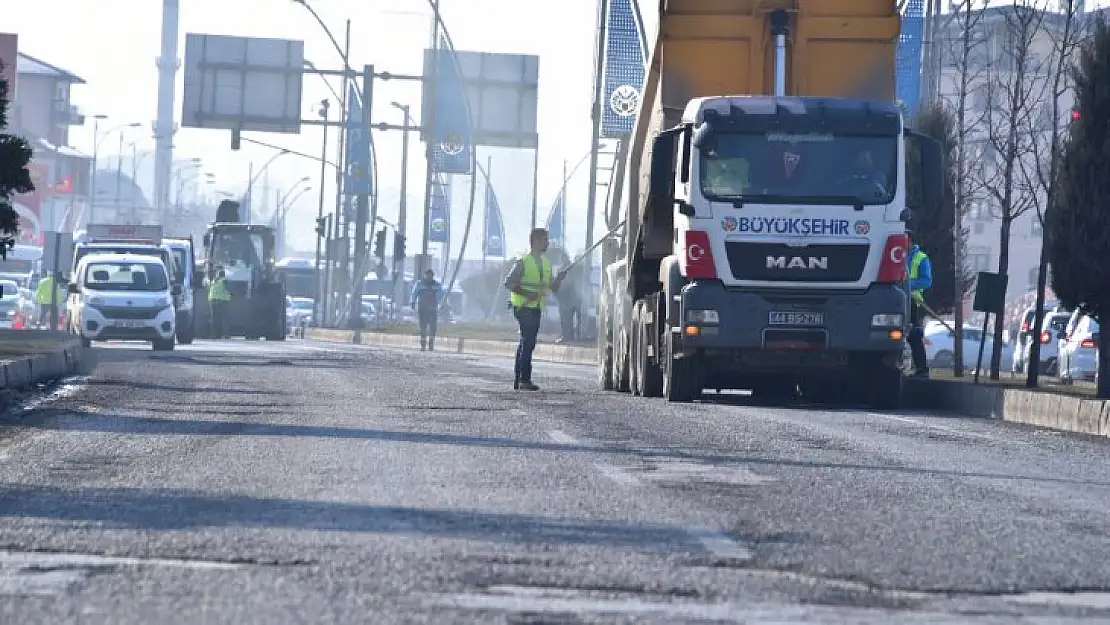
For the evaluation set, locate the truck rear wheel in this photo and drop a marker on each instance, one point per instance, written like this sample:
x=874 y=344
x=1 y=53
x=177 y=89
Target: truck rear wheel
x=885 y=388
x=649 y=378
x=605 y=378
x=682 y=378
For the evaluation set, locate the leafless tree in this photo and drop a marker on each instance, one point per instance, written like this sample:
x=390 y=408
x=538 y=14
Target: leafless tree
x=965 y=54
x=1066 y=31
x=1016 y=85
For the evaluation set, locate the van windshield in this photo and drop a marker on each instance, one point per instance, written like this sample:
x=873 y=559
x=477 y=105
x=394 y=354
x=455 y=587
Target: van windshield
x=116 y=276
x=784 y=168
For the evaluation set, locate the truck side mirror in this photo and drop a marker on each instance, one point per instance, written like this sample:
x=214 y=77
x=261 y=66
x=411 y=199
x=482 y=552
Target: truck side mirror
x=661 y=183
x=933 y=168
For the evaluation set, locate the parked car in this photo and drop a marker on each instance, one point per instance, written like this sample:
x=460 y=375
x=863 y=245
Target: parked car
x=298 y=312
x=940 y=347
x=9 y=302
x=1078 y=350
x=1051 y=330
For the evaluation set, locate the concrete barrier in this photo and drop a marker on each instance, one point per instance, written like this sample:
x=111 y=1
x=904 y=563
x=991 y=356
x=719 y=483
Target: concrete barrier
x=1036 y=408
x=24 y=372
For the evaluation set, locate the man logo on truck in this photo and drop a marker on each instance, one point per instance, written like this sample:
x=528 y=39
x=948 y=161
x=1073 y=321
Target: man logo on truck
x=812 y=263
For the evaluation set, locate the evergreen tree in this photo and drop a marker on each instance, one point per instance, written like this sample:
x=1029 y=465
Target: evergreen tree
x=933 y=226
x=15 y=155
x=1077 y=228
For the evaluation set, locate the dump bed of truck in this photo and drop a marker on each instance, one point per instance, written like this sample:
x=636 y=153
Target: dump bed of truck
x=835 y=48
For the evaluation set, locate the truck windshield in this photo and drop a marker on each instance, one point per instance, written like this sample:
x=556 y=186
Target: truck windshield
x=112 y=276
x=784 y=168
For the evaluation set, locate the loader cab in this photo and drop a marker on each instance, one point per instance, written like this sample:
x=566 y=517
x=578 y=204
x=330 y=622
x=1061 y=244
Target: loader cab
x=244 y=251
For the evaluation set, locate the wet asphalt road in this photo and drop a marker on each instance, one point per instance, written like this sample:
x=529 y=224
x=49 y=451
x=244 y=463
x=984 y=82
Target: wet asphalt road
x=313 y=483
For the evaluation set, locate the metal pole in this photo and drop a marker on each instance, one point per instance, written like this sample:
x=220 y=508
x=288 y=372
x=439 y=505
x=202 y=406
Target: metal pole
x=134 y=175
x=362 y=217
x=430 y=131
x=402 y=215
x=341 y=159
x=92 y=182
x=57 y=279
x=317 y=312
x=535 y=183
x=595 y=116
x=119 y=177
x=485 y=213
x=780 y=21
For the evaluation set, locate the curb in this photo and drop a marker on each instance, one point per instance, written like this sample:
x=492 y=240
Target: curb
x=564 y=354
x=23 y=373
x=1040 y=409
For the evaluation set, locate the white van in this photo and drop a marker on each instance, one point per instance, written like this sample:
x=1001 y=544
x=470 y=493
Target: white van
x=125 y=297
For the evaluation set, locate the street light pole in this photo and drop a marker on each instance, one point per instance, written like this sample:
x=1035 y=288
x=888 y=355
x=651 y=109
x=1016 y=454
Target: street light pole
x=317 y=311
x=402 y=215
x=92 y=181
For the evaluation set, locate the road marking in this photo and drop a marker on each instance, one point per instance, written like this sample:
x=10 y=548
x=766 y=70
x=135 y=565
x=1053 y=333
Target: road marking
x=51 y=574
x=563 y=601
x=616 y=474
x=720 y=545
x=941 y=428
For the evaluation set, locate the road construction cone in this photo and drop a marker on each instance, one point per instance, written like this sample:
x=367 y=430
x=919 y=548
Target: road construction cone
x=17 y=323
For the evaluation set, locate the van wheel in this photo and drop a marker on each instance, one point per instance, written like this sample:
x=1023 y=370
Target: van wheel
x=186 y=331
x=162 y=345
x=85 y=342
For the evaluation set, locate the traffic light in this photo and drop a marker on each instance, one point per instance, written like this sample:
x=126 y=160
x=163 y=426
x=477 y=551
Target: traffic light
x=379 y=244
x=1075 y=113
x=399 y=246
x=322 y=227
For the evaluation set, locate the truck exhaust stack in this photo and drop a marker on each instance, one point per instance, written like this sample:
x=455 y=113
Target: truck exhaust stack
x=780 y=23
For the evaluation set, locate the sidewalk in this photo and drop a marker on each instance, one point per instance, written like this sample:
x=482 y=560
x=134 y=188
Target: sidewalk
x=28 y=357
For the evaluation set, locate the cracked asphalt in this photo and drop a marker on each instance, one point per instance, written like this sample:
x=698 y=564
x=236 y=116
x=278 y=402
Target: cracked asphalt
x=234 y=482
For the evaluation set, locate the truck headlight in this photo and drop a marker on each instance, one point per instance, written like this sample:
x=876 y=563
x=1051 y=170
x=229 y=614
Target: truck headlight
x=702 y=316
x=886 y=321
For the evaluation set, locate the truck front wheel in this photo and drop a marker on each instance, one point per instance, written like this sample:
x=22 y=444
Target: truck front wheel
x=885 y=388
x=682 y=378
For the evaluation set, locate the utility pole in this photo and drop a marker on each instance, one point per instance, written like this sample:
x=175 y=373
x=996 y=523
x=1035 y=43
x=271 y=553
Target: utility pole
x=317 y=305
x=402 y=215
x=430 y=126
x=595 y=117
x=363 y=215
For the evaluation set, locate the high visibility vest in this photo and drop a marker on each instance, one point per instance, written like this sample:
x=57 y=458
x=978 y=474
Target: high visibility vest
x=533 y=279
x=44 y=291
x=217 y=291
x=915 y=265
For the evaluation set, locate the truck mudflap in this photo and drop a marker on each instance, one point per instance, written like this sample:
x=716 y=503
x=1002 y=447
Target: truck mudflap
x=762 y=321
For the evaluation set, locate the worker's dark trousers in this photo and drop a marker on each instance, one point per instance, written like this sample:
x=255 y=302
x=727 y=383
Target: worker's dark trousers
x=529 y=321
x=916 y=339
x=219 y=319
x=428 y=320
x=45 y=312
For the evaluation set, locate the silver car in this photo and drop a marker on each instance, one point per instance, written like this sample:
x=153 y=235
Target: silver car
x=1078 y=350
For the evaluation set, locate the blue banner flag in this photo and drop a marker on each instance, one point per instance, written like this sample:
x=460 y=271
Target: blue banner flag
x=908 y=55
x=439 y=215
x=358 y=177
x=623 y=67
x=451 y=140
x=495 y=227
x=556 y=221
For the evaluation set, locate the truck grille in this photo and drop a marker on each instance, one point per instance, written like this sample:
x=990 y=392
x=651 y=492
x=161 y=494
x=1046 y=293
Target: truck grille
x=775 y=262
x=127 y=312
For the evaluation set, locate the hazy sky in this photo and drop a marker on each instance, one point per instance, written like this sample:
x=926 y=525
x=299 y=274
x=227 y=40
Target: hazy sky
x=113 y=45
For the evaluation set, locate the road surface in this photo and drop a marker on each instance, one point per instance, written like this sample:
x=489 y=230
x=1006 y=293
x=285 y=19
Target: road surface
x=241 y=482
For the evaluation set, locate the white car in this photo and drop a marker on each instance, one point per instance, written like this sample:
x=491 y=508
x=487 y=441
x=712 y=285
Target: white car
x=10 y=302
x=940 y=347
x=1078 y=350
x=1051 y=331
x=122 y=297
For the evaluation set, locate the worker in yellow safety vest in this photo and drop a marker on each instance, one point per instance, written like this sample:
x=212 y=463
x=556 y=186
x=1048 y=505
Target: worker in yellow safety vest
x=529 y=282
x=219 y=299
x=48 y=295
x=920 y=279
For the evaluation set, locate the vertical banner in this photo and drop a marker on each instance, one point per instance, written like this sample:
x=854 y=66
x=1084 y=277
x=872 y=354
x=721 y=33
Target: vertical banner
x=907 y=59
x=623 y=69
x=439 y=215
x=357 y=180
x=556 y=219
x=495 y=227
x=451 y=138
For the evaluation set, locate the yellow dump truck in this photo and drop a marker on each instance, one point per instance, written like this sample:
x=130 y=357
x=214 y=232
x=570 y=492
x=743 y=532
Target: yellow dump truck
x=765 y=204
